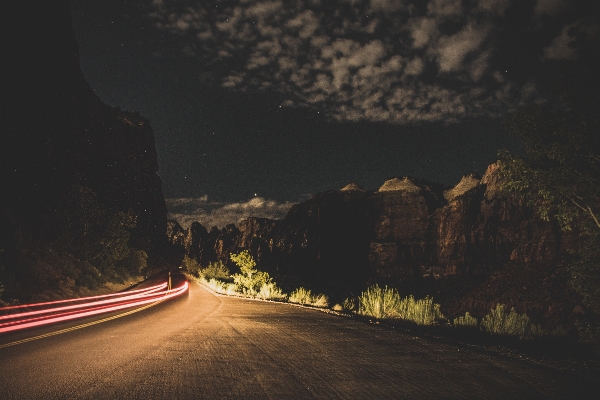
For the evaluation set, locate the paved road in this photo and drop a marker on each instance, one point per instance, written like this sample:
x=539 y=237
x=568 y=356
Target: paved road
x=205 y=346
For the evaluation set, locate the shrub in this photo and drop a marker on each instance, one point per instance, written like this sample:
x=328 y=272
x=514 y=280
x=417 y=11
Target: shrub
x=191 y=266
x=349 y=305
x=221 y=287
x=251 y=280
x=216 y=270
x=498 y=321
x=467 y=321
x=270 y=291
x=386 y=303
x=300 y=296
x=305 y=297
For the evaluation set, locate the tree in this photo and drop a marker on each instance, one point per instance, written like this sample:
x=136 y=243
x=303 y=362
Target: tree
x=559 y=171
x=250 y=280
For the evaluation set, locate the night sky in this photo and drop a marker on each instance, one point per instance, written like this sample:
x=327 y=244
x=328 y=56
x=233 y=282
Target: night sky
x=257 y=105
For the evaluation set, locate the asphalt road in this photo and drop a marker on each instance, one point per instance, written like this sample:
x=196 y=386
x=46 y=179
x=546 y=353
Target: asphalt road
x=206 y=346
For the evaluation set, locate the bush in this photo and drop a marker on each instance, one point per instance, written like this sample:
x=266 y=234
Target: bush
x=349 y=305
x=270 y=291
x=466 y=321
x=216 y=270
x=191 y=266
x=250 y=281
x=386 y=303
x=221 y=287
x=498 y=321
x=305 y=297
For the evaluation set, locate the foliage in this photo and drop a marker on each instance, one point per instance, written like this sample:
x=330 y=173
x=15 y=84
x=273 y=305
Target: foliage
x=216 y=270
x=560 y=170
x=250 y=280
x=112 y=245
x=270 y=291
x=585 y=272
x=466 y=321
x=386 y=302
x=305 y=297
x=221 y=287
x=350 y=304
x=99 y=236
x=135 y=263
x=500 y=322
x=191 y=266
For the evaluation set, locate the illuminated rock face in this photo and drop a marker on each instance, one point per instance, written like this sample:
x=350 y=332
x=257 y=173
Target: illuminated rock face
x=56 y=134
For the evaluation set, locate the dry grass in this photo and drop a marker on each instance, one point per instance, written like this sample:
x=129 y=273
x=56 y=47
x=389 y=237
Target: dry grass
x=305 y=297
x=501 y=322
x=386 y=303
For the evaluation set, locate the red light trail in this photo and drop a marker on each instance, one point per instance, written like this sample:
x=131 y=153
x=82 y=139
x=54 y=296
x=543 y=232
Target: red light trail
x=91 y=306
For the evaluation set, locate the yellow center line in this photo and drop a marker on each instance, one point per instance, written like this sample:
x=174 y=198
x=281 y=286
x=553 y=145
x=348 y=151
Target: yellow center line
x=79 y=326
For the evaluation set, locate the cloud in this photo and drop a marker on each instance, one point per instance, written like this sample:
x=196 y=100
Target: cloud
x=209 y=214
x=560 y=48
x=549 y=7
x=445 y=8
x=398 y=61
x=452 y=50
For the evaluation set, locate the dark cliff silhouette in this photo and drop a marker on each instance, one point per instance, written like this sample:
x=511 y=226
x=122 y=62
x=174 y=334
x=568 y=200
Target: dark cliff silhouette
x=59 y=141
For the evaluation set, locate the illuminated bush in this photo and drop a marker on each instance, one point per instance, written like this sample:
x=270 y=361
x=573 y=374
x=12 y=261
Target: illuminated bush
x=467 y=321
x=221 y=287
x=500 y=322
x=191 y=266
x=305 y=297
x=216 y=270
x=251 y=281
x=349 y=305
x=270 y=291
x=386 y=303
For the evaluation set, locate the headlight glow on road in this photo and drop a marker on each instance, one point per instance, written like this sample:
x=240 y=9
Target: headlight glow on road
x=29 y=319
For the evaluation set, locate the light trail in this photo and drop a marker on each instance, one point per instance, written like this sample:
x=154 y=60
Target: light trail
x=94 y=308
x=47 y=303
x=125 y=296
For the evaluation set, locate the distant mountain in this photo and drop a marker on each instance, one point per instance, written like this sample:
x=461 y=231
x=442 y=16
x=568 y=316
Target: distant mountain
x=66 y=157
x=469 y=246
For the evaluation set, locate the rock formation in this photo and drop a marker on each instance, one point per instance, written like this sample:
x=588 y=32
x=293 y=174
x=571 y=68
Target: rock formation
x=60 y=142
x=57 y=133
x=408 y=232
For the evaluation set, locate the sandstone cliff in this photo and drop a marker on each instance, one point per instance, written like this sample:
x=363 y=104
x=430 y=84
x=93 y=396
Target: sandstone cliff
x=418 y=235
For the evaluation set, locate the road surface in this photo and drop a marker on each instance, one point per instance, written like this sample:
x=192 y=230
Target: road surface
x=202 y=346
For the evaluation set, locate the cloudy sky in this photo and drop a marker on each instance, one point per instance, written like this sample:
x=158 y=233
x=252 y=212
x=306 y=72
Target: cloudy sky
x=257 y=104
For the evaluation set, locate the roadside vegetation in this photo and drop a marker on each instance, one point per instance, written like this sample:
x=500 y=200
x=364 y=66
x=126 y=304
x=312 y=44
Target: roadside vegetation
x=249 y=282
x=375 y=303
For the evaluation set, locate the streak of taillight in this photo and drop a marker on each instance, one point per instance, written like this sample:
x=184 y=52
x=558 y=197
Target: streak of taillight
x=157 y=287
x=71 y=312
x=125 y=296
x=167 y=294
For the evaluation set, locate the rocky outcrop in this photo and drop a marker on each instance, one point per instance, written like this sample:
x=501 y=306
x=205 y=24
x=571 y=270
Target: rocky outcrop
x=175 y=233
x=352 y=186
x=467 y=183
x=57 y=133
x=65 y=156
x=406 y=231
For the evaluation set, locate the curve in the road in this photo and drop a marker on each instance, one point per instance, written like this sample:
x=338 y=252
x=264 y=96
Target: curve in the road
x=204 y=346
